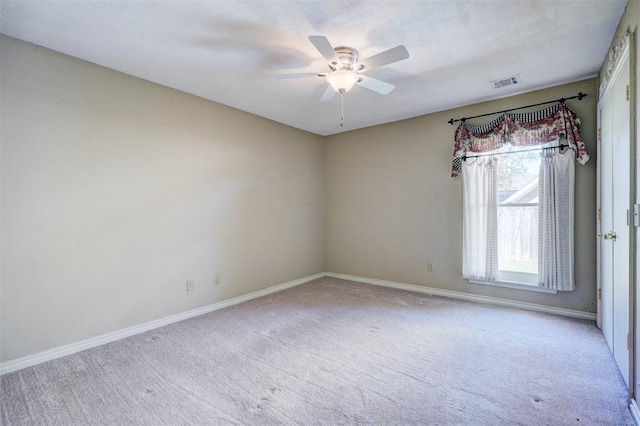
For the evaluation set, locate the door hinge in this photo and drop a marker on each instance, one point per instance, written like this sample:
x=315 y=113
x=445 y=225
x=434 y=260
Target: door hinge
x=600 y=135
x=599 y=214
x=627 y=92
x=629 y=341
x=599 y=294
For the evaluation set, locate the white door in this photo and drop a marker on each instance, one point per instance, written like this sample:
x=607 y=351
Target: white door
x=615 y=201
x=605 y=169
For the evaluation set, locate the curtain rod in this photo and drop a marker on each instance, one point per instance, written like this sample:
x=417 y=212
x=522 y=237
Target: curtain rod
x=579 y=96
x=561 y=146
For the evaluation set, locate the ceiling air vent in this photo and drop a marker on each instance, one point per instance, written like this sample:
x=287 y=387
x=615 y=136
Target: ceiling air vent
x=507 y=81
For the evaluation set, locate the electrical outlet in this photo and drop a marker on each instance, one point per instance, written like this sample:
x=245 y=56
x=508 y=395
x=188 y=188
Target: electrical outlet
x=430 y=267
x=190 y=286
x=216 y=280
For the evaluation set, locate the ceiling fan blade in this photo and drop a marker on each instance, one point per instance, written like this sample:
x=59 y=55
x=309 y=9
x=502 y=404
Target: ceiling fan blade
x=301 y=74
x=376 y=85
x=324 y=47
x=390 y=56
x=328 y=94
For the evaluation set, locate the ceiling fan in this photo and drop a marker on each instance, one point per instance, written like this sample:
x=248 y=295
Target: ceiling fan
x=346 y=70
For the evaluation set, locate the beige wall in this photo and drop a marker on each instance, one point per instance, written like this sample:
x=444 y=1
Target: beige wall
x=392 y=207
x=115 y=191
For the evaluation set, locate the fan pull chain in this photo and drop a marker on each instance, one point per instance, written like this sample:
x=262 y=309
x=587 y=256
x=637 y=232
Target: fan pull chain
x=342 y=110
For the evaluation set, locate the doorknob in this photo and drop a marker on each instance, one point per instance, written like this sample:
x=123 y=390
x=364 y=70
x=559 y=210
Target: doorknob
x=610 y=236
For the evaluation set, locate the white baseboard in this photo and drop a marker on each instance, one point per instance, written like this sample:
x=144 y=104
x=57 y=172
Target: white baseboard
x=60 y=351
x=635 y=411
x=469 y=297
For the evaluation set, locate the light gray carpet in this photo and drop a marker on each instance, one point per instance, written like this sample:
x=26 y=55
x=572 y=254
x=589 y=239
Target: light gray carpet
x=335 y=352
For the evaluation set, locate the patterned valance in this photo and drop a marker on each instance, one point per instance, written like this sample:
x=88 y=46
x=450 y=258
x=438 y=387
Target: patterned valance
x=528 y=129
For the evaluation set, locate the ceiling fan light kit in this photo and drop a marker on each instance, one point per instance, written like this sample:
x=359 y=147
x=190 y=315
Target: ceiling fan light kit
x=342 y=80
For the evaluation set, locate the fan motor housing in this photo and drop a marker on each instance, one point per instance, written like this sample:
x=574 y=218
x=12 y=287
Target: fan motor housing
x=347 y=55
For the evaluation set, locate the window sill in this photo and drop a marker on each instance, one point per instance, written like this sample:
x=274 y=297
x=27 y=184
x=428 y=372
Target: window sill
x=517 y=286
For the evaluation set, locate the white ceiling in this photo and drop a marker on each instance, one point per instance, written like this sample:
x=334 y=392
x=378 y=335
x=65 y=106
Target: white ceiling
x=229 y=51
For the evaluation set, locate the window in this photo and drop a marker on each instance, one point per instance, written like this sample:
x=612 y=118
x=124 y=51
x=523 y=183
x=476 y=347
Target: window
x=517 y=217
